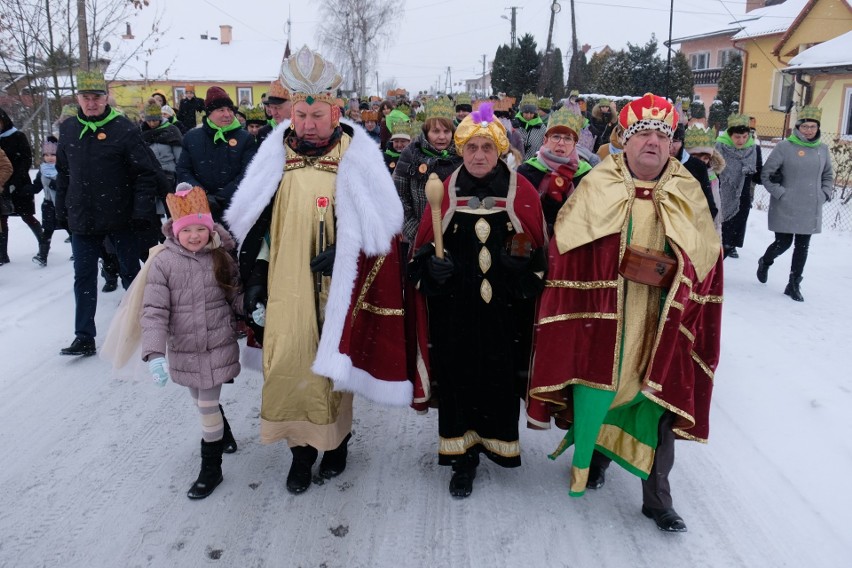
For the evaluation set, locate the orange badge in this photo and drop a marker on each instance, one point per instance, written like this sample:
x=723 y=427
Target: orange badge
x=232 y=142
x=392 y=165
x=422 y=169
x=801 y=153
x=559 y=182
x=101 y=135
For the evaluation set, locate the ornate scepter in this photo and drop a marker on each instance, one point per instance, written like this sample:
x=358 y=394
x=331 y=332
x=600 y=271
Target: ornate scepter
x=435 y=195
x=322 y=206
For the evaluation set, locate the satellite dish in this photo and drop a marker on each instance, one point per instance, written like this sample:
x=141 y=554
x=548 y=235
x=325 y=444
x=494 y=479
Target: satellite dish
x=107 y=46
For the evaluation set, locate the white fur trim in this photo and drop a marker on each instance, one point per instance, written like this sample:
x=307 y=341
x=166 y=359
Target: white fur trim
x=369 y=215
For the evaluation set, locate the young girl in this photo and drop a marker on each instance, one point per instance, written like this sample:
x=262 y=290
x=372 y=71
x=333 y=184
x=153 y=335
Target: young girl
x=46 y=180
x=191 y=295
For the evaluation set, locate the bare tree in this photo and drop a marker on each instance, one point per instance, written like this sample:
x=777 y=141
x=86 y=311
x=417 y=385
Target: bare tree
x=355 y=31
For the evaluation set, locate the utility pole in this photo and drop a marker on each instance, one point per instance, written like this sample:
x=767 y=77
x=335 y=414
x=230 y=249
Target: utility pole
x=82 y=35
x=483 y=74
x=575 y=79
x=448 y=85
x=669 y=55
x=514 y=19
x=547 y=67
x=378 y=90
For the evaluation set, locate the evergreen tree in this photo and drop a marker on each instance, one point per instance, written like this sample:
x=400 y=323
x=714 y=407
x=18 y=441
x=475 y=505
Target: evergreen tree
x=718 y=117
x=525 y=67
x=595 y=69
x=647 y=71
x=697 y=110
x=501 y=69
x=681 y=84
x=730 y=82
x=616 y=76
x=578 y=73
x=551 y=81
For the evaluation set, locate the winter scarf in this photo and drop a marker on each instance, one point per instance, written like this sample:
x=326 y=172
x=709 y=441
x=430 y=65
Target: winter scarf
x=311 y=149
x=47 y=170
x=221 y=130
x=93 y=125
x=161 y=135
x=741 y=163
x=796 y=139
x=552 y=161
x=11 y=130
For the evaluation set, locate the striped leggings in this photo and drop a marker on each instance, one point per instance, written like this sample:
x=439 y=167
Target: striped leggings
x=207 y=402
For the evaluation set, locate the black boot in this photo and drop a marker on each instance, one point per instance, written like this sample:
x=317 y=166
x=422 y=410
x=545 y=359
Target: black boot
x=334 y=461
x=210 y=475
x=41 y=257
x=666 y=519
x=763 y=269
x=228 y=437
x=299 y=478
x=597 y=476
x=4 y=243
x=80 y=346
x=464 y=472
x=109 y=270
x=793 y=290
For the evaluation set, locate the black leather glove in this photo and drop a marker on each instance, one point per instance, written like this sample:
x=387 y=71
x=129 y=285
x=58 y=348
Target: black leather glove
x=513 y=263
x=140 y=224
x=324 y=261
x=254 y=294
x=440 y=269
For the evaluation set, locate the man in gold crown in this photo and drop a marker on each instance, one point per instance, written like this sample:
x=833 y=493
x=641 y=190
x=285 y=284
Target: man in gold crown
x=316 y=218
x=627 y=335
x=480 y=293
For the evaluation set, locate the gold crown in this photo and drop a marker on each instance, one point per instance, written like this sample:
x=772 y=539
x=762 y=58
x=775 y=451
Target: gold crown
x=403 y=107
x=810 y=113
x=698 y=138
x=528 y=99
x=402 y=129
x=442 y=107
x=153 y=109
x=91 y=81
x=464 y=99
x=189 y=202
x=372 y=115
x=278 y=91
x=565 y=118
x=737 y=120
x=545 y=103
x=309 y=77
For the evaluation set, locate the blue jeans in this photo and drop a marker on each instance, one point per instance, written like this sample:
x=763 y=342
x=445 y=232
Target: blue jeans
x=87 y=250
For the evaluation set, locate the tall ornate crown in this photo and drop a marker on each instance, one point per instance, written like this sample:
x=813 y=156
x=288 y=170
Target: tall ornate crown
x=442 y=107
x=309 y=77
x=737 y=120
x=810 y=113
x=699 y=140
x=567 y=119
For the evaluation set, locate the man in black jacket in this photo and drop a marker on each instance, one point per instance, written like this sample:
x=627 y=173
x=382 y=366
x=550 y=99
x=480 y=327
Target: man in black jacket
x=189 y=106
x=105 y=186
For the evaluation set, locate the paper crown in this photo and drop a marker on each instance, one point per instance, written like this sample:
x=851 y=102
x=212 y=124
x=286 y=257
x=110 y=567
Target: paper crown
x=372 y=115
x=188 y=206
x=566 y=119
x=404 y=130
x=699 y=140
x=529 y=99
x=605 y=102
x=464 y=99
x=651 y=112
x=255 y=114
x=574 y=93
x=277 y=91
x=442 y=107
x=91 y=82
x=810 y=113
x=482 y=122
x=153 y=110
x=69 y=110
x=309 y=77
x=545 y=103
x=403 y=108
x=737 y=120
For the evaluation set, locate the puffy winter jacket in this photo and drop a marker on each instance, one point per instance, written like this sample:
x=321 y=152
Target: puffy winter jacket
x=186 y=314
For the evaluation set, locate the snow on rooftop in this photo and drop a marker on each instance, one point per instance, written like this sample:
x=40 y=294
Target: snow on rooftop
x=769 y=20
x=834 y=52
x=197 y=60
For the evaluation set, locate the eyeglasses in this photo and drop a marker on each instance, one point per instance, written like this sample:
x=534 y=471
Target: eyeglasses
x=565 y=139
x=809 y=126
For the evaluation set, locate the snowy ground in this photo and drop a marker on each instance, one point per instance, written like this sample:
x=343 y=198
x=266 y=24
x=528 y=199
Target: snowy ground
x=95 y=469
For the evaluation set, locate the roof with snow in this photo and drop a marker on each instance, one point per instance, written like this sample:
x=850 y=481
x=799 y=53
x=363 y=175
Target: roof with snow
x=834 y=53
x=770 y=20
x=196 y=60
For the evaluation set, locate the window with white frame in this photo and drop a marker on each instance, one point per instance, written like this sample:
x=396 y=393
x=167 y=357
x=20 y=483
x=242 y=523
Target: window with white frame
x=699 y=60
x=179 y=92
x=846 y=129
x=244 y=96
x=724 y=56
x=782 y=91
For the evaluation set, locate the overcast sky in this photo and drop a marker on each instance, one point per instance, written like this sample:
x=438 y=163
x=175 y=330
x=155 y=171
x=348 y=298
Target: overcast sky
x=435 y=34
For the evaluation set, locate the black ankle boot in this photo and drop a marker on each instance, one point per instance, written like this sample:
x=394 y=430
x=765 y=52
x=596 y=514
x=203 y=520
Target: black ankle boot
x=763 y=269
x=299 y=478
x=210 y=475
x=464 y=472
x=43 y=250
x=334 y=461
x=228 y=436
x=793 y=288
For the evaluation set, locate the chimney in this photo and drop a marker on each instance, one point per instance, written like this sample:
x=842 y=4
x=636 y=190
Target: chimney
x=128 y=34
x=225 y=34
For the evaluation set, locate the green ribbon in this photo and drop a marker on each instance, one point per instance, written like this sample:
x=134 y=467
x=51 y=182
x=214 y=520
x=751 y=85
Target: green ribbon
x=93 y=126
x=794 y=138
x=529 y=123
x=444 y=153
x=271 y=122
x=221 y=130
x=391 y=153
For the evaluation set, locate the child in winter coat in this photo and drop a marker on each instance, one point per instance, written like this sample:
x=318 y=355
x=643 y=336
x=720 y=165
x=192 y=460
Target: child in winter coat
x=46 y=180
x=192 y=293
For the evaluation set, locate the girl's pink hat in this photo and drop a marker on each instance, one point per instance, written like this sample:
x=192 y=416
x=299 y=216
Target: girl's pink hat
x=189 y=206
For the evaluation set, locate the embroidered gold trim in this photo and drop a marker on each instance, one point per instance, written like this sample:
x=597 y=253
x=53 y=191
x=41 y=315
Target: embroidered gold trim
x=628 y=447
x=482 y=230
x=458 y=446
x=653 y=385
x=673 y=409
x=687 y=436
x=382 y=311
x=579 y=478
x=578 y=315
x=484 y=260
x=366 y=287
x=323 y=163
x=687 y=333
x=704 y=366
x=699 y=299
x=485 y=290
x=577 y=285
x=677 y=305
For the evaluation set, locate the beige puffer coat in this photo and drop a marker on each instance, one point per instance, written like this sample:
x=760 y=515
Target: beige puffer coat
x=185 y=311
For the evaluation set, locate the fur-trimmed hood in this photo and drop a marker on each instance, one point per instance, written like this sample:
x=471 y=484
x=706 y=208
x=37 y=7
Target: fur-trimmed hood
x=717 y=162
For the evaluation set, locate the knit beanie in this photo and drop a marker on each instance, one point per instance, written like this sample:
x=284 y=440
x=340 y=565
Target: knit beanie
x=167 y=111
x=189 y=206
x=216 y=98
x=49 y=146
x=153 y=111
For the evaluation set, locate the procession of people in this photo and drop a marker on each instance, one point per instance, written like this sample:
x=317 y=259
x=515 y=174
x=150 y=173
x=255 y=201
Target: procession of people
x=477 y=257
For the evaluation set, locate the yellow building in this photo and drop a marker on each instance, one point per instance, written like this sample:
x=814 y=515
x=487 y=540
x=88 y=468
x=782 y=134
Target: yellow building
x=770 y=40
